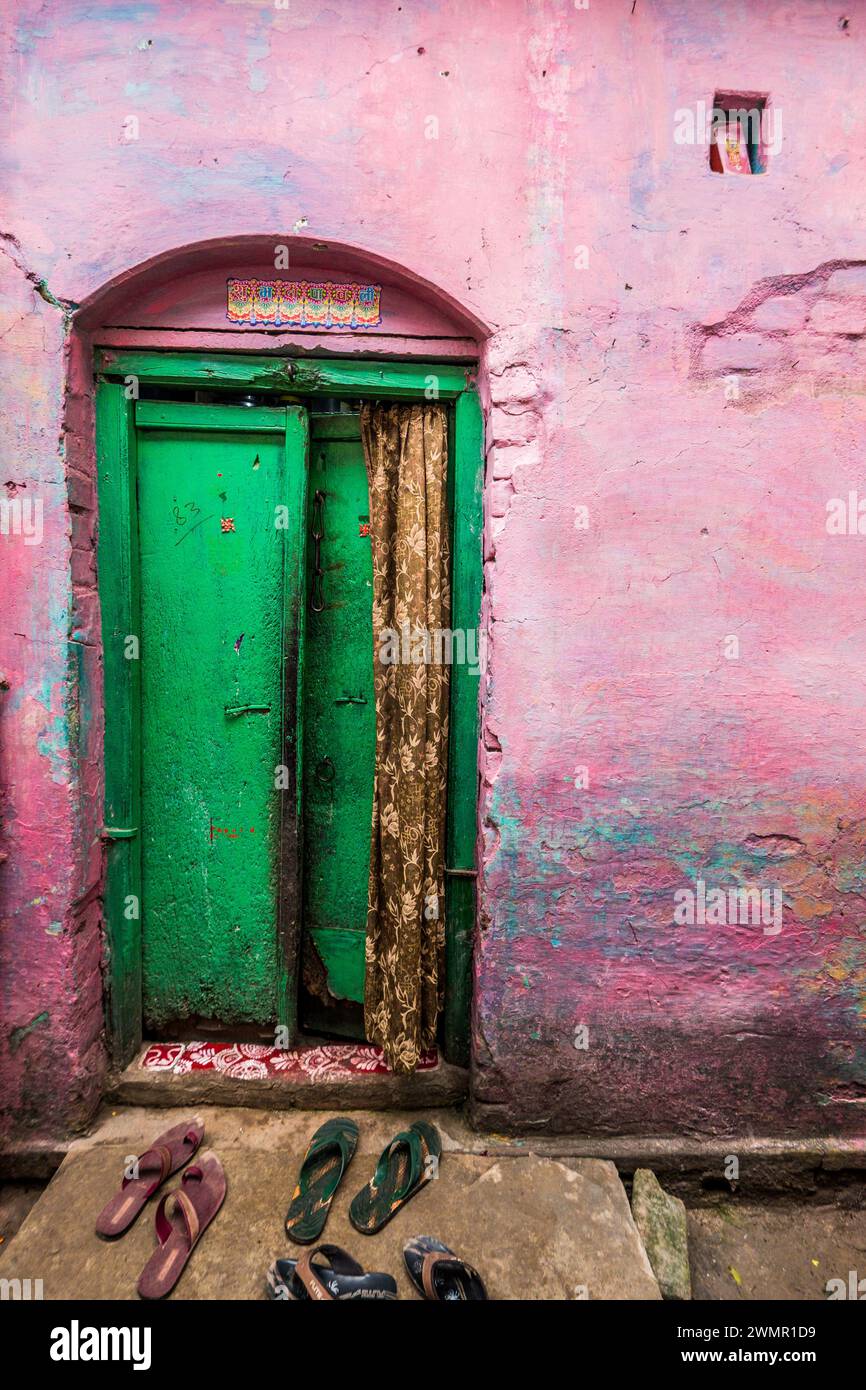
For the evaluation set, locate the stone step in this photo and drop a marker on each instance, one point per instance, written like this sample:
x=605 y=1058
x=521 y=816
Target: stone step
x=536 y=1228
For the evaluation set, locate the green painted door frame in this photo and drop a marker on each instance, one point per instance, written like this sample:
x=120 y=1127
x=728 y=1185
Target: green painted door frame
x=119 y=374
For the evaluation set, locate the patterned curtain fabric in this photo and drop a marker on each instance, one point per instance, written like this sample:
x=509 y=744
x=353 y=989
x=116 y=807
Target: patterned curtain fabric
x=405 y=447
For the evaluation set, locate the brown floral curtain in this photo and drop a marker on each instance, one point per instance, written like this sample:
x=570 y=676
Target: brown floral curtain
x=405 y=447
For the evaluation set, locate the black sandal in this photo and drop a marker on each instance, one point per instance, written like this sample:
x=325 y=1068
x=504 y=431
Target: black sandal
x=335 y=1276
x=440 y=1275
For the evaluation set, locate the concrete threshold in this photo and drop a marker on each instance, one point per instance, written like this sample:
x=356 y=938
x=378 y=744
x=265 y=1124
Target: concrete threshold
x=443 y=1085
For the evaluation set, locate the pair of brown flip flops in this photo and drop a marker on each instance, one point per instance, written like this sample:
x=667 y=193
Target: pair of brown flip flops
x=182 y=1214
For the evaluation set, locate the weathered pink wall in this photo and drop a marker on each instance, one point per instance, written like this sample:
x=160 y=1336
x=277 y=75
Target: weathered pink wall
x=605 y=388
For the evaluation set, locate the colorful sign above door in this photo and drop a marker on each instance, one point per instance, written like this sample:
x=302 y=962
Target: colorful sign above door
x=303 y=304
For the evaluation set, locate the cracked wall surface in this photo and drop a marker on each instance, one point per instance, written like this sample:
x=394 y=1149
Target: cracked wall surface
x=673 y=390
x=791 y=333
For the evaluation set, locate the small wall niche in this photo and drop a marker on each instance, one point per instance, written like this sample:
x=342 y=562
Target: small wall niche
x=739 y=133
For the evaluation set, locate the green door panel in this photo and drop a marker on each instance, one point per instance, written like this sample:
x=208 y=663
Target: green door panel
x=213 y=591
x=339 y=720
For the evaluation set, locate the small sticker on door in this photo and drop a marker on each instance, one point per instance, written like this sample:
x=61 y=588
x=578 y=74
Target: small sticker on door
x=227 y=523
x=363 y=526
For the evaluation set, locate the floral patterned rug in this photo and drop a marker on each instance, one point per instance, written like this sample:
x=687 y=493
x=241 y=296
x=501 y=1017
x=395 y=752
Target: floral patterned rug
x=257 y=1062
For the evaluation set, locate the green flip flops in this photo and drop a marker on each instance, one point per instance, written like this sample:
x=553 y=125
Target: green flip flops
x=326 y=1160
x=406 y=1165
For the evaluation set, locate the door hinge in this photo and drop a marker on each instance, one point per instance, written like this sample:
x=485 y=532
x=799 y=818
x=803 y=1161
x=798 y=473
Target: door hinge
x=119 y=832
x=247 y=709
x=461 y=873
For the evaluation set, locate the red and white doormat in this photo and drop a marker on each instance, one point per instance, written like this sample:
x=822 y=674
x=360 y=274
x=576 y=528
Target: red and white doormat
x=256 y=1062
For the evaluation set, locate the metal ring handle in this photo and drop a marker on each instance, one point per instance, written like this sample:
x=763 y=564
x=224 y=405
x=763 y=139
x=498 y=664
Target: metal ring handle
x=320 y=775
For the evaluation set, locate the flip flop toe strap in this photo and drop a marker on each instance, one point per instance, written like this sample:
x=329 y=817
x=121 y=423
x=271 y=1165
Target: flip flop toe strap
x=382 y=1196
x=328 y=1137
x=410 y=1139
x=329 y=1140
x=156 y=1160
x=310 y=1175
x=310 y=1275
x=182 y=1203
x=434 y=1263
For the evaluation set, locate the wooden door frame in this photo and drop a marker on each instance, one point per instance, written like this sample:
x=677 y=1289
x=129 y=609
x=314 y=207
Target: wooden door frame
x=118 y=373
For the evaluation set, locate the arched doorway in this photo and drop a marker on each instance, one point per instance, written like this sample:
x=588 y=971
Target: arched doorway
x=236 y=803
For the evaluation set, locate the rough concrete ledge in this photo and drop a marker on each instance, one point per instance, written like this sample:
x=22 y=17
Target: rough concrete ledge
x=33 y=1161
x=766 y=1165
x=441 y=1086
x=781 y=1167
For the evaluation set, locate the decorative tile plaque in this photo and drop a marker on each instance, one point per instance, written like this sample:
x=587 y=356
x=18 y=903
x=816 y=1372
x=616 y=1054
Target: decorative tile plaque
x=303 y=304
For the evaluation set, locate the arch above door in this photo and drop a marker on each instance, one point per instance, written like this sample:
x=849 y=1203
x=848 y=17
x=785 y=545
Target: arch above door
x=179 y=298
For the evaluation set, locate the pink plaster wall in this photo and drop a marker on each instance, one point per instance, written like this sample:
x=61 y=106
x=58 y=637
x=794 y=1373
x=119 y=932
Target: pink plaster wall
x=605 y=388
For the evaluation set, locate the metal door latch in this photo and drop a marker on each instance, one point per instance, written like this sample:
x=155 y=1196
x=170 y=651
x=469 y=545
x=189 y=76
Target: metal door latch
x=351 y=700
x=232 y=710
x=317 y=531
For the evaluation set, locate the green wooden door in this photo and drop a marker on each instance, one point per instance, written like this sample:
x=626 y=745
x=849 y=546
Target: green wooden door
x=339 y=727
x=220 y=528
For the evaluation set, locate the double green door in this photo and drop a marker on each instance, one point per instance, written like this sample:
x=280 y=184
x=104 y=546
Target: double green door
x=258 y=723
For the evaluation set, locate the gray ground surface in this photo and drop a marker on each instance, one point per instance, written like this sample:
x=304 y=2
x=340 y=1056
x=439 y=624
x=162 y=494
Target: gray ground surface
x=537 y=1228
x=778 y=1250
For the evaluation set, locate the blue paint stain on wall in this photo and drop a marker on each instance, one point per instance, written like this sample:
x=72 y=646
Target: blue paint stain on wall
x=26 y=36
x=258 y=50
x=240 y=178
x=52 y=740
x=641 y=188
x=133 y=13
x=29 y=33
